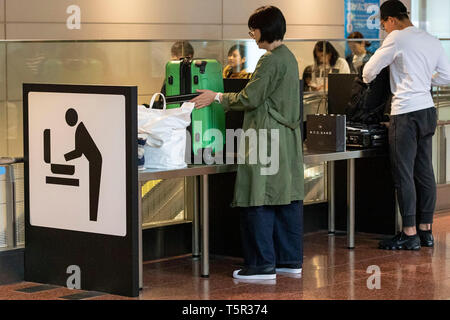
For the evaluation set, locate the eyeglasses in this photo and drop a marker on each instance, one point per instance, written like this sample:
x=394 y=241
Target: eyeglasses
x=251 y=34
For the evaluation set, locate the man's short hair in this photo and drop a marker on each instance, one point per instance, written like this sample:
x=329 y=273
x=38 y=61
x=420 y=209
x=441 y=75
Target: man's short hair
x=270 y=21
x=182 y=49
x=394 y=9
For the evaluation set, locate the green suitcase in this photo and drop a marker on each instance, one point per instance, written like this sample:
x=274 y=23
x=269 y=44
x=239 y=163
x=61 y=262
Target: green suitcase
x=186 y=76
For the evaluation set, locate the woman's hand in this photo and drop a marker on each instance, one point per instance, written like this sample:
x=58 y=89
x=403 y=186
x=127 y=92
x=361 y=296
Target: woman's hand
x=205 y=98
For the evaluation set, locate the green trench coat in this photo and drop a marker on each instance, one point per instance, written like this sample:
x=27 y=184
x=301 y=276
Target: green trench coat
x=271 y=100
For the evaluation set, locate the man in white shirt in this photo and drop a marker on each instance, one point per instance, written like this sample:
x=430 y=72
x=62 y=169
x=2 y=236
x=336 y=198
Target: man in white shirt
x=417 y=61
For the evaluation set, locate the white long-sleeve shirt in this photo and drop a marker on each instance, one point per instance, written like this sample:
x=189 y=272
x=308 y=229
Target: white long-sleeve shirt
x=417 y=60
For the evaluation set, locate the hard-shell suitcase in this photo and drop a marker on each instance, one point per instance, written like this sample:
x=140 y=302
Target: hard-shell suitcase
x=186 y=76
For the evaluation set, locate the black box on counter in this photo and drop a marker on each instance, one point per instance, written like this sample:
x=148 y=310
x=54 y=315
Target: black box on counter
x=325 y=132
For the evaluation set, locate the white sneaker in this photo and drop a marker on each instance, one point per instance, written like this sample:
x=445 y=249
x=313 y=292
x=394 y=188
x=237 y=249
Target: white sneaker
x=250 y=275
x=289 y=270
x=252 y=281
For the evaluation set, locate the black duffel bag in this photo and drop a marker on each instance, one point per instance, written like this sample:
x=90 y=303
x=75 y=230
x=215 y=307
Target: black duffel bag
x=370 y=103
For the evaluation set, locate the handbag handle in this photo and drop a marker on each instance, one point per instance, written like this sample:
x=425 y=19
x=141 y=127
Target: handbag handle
x=152 y=101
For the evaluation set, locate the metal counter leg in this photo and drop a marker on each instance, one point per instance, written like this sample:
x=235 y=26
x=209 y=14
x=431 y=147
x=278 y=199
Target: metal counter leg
x=204 y=272
x=331 y=199
x=141 y=280
x=195 y=222
x=351 y=203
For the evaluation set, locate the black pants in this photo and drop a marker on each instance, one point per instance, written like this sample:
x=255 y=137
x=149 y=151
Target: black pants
x=410 y=143
x=272 y=235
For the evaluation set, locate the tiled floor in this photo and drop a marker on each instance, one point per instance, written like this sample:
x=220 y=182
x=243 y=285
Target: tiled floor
x=330 y=271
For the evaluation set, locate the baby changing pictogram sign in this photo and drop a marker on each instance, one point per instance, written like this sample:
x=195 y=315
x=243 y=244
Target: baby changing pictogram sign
x=77 y=162
x=81 y=186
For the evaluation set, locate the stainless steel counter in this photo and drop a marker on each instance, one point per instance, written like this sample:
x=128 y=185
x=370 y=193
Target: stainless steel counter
x=309 y=157
x=190 y=171
x=314 y=157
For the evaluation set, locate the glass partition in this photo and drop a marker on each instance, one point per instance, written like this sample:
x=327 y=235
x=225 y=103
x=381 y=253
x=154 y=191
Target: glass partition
x=3 y=105
x=142 y=63
x=441 y=140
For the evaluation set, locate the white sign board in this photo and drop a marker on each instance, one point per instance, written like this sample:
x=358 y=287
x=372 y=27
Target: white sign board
x=77 y=162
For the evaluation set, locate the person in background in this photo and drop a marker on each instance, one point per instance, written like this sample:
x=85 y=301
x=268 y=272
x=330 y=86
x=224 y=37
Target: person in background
x=359 y=55
x=307 y=78
x=236 y=64
x=272 y=203
x=326 y=60
x=182 y=49
x=179 y=50
x=416 y=61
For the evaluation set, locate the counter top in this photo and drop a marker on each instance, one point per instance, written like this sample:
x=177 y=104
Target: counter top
x=309 y=157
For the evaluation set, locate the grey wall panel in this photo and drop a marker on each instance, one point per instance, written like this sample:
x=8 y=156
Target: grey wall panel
x=117 y=11
x=2 y=19
x=2 y=71
x=112 y=31
x=292 y=32
x=3 y=131
x=2 y=10
x=316 y=12
x=160 y=19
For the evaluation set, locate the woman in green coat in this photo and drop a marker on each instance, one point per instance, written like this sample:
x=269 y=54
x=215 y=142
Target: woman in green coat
x=269 y=190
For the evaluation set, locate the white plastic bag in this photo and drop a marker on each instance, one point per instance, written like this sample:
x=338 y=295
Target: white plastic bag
x=166 y=134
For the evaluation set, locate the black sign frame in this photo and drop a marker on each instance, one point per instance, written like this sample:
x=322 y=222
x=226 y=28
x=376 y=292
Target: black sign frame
x=107 y=263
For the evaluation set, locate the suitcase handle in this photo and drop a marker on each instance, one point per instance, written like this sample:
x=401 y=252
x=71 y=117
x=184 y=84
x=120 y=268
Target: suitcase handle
x=181 y=98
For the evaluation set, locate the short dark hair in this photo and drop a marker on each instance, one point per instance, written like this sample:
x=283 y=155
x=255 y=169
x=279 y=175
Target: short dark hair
x=328 y=47
x=182 y=49
x=393 y=8
x=242 y=51
x=270 y=21
x=358 y=35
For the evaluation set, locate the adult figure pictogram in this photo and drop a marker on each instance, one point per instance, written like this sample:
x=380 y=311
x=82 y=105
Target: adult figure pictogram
x=85 y=145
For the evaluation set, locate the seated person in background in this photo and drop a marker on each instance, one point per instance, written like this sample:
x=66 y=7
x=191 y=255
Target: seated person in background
x=359 y=54
x=236 y=64
x=180 y=49
x=307 y=78
x=326 y=60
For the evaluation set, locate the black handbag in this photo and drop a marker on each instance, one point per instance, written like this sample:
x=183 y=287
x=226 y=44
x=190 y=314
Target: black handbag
x=370 y=103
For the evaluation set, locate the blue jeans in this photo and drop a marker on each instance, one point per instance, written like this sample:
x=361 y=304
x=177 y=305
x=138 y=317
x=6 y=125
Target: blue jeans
x=272 y=235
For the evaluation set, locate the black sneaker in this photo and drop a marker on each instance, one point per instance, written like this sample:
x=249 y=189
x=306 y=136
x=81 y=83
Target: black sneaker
x=426 y=238
x=255 y=273
x=401 y=242
x=289 y=268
